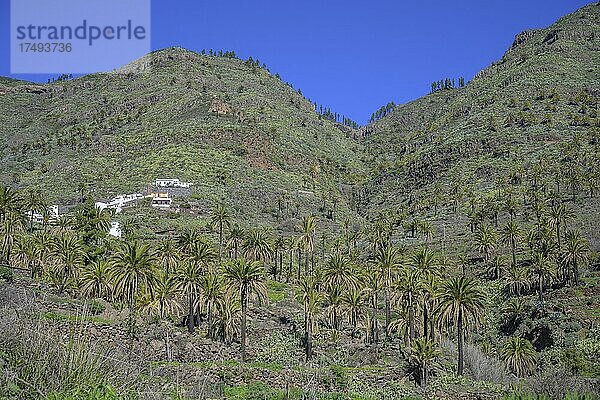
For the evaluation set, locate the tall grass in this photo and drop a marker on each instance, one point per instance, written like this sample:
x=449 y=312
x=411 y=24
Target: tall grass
x=39 y=361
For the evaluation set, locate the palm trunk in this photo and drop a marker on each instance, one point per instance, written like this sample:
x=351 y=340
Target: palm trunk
x=244 y=311
x=425 y=321
x=460 y=343
x=388 y=312
x=514 y=256
x=576 y=272
x=190 y=321
x=411 y=324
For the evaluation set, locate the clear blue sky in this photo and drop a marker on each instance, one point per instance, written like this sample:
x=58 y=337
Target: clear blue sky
x=351 y=55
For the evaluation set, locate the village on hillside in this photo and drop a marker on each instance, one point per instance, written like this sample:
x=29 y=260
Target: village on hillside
x=161 y=194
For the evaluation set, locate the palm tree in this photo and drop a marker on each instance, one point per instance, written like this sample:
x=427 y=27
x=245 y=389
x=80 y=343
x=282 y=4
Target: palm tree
x=95 y=279
x=519 y=355
x=68 y=258
x=219 y=219
x=406 y=292
x=202 y=254
x=423 y=352
x=461 y=305
x=210 y=295
x=308 y=239
x=429 y=287
x=278 y=248
x=33 y=202
x=497 y=265
x=333 y=297
x=168 y=255
x=228 y=318
x=12 y=224
x=559 y=214
x=166 y=292
x=189 y=277
x=354 y=300
x=257 y=245
x=187 y=238
x=575 y=253
x=510 y=235
x=133 y=269
x=542 y=270
x=387 y=260
x=310 y=297
x=373 y=283
x=9 y=201
x=235 y=237
x=27 y=255
x=485 y=240
x=339 y=272
x=247 y=277
x=517 y=280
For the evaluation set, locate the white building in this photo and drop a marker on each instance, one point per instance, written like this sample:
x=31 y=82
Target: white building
x=161 y=200
x=115 y=229
x=117 y=203
x=38 y=217
x=172 y=183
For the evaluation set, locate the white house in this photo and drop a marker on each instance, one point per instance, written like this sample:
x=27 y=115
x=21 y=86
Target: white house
x=161 y=200
x=39 y=217
x=172 y=183
x=117 y=203
x=115 y=229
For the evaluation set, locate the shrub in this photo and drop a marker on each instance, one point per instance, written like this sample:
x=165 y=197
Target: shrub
x=6 y=274
x=95 y=307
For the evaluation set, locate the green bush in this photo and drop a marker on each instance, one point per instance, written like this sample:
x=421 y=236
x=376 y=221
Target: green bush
x=95 y=307
x=6 y=274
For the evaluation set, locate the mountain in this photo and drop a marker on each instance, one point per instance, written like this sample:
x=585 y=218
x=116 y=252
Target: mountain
x=238 y=133
x=532 y=113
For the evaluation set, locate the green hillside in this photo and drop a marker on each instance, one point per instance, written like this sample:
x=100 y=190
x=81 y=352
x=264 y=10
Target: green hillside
x=532 y=116
x=447 y=250
x=240 y=134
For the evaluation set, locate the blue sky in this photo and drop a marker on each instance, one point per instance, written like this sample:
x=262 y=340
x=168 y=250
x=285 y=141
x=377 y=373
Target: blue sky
x=352 y=56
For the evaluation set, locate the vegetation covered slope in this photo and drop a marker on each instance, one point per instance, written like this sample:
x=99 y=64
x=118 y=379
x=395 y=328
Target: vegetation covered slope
x=531 y=117
x=240 y=134
x=472 y=276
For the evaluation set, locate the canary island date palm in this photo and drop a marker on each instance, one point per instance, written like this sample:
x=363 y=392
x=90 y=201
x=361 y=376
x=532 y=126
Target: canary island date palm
x=406 y=293
x=247 y=278
x=387 y=261
x=189 y=276
x=485 y=238
x=257 y=245
x=519 y=356
x=133 y=270
x=558 y=216
x=219 y=220
x=574 y=254
x=354 y=301
x=510 y=236
x=68 y=255
x=309 y=230
x=168 y=256
x=227 y=318
x=235 y=238
x=210 y=295
x=542 y=271
x=339 y=271
x=309 y=296
x=423 y=352
x=461 y=305
x=517 y=280
x=95 y=279
x=333 y=299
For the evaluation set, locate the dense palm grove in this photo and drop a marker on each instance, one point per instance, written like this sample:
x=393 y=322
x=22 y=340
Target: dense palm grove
x=377 y=283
